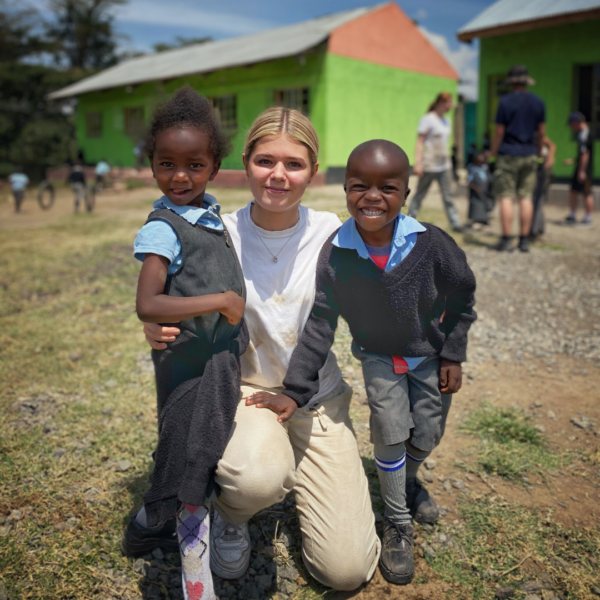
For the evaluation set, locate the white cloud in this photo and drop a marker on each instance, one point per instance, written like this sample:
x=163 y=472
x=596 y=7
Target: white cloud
x=465 y=59
x=182 y=15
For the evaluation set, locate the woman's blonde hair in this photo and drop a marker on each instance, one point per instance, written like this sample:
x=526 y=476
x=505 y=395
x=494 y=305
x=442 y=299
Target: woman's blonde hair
x=283 y=121
x=441 y=97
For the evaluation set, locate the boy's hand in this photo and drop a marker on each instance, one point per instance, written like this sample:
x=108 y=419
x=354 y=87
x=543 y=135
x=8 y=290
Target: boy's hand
x=233 y=307
x=281 y=404
x=450 y=376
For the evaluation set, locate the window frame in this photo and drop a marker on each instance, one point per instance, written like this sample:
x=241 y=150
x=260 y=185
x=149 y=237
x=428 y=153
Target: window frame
x=226 y=111
x=285 y=97
x=93 y=124
x=134 y=124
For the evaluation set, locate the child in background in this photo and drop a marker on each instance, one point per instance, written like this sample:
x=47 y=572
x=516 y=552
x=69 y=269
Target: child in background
x=18 y=184
x=407 y=293
x=481 y=201
x=77 y=180
x=190 y=274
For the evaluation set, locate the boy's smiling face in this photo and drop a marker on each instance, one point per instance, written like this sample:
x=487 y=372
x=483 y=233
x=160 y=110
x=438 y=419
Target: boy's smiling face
x=183 y=165
x=376 y=189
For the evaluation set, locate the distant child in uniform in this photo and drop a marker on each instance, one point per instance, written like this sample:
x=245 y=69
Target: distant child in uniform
x=191 y=276
x=18 y=184
x=407 y=293
x=77 y=180
x=481 y=201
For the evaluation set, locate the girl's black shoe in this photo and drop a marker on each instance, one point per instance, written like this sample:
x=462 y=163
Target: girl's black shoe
x=138 y=540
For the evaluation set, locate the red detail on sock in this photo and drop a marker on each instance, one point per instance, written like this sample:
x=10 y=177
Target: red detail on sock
x=194 y=590
x=191 y=509
x=400 y=365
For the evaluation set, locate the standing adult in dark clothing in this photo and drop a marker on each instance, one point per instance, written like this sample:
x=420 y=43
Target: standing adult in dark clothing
x=544 y=177
x=581 y=183
x=520 y=116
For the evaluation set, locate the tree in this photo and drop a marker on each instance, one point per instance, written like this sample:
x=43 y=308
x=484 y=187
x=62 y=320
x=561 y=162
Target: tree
x=180 y=42
x=21 y=31
x=83 y=33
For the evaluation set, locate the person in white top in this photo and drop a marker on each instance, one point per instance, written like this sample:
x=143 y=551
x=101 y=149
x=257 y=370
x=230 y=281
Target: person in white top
x=314 y=453
x=432 y=158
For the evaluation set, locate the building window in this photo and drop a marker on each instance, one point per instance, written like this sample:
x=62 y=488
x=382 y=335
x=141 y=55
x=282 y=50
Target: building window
x=93 y=124
x=587 y=95
x=134 y=121
x=225 y=108
x=296 y=98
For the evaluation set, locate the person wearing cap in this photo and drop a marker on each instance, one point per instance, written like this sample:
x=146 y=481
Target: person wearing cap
x=581 y=183
x=521 y=115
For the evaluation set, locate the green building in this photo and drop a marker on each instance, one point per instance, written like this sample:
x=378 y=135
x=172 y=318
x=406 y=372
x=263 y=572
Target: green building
x=361 y=74
x=558 y=41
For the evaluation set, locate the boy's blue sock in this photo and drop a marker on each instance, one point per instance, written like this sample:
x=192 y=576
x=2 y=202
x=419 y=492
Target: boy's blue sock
x=390 y=461
x=414 y=459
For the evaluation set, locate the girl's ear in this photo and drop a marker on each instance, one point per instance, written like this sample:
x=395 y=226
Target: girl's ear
x=314 y=172
x=215 y=171
x=245 y=161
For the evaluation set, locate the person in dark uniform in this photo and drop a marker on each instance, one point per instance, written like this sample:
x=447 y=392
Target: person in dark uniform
x=581 y=183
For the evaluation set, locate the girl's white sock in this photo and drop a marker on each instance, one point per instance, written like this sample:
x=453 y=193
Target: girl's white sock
x=193 y=533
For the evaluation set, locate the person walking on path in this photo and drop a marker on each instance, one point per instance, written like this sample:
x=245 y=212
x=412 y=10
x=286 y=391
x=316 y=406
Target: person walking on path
x=315 y=452
x=432 y=158
x=581 y=183
x=540 y=194
x=77 y=180
x=521 y=115
x=18 y=184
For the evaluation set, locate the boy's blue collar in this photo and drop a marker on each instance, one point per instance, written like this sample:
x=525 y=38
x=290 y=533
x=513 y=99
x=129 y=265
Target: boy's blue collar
x=192 y=214
x=348 y=236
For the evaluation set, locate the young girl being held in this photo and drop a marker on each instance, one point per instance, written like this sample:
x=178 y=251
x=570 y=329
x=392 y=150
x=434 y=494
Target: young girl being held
x=190 y=276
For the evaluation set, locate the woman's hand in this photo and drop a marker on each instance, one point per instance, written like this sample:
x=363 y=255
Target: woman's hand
x=233 y=308
x=157 y=335
x=450 y=376
x=280 y=404
x=418 y=170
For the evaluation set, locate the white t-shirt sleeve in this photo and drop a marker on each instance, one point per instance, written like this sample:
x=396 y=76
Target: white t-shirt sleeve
x=424 y=125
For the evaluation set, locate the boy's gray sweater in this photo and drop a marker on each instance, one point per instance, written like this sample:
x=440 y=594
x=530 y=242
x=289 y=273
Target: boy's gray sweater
x=395 y=312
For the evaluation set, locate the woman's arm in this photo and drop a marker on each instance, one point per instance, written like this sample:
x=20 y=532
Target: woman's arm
x=153 y=306
x=418 y=168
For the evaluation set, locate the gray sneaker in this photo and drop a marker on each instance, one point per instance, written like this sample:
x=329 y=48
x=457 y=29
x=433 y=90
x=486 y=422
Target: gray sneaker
x=229 y=548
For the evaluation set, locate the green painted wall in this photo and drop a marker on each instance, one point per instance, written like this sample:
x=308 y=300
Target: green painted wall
x=368 y=101
x=253 y=85
x=550 y=55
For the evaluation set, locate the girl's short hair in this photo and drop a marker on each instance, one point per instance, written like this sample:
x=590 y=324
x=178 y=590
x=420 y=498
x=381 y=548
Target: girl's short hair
x=441 y=97
x=284 y=121
x=189 y=110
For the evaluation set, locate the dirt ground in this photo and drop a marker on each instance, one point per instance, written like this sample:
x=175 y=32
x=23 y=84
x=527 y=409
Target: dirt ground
x=535 y=349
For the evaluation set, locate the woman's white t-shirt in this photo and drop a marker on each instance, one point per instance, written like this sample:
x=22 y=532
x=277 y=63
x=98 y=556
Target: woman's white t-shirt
x=280 y=295
x=437 y=131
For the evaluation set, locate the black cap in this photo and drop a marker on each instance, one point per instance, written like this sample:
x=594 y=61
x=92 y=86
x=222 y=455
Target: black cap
x=576 y=117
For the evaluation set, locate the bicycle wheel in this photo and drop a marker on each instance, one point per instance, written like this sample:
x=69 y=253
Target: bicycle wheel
x=46 y=195
x=90 y=198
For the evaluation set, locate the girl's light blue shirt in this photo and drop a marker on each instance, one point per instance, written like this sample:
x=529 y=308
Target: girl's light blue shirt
x=158 y=237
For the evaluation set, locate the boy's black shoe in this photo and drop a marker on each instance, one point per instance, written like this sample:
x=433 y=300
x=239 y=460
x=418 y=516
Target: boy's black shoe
x=422 y=506
x=504 y=245
x=523 y=244
x=397 y=563
x=138 y=540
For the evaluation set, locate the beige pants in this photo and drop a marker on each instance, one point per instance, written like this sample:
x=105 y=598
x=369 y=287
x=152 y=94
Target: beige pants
x=316 y=455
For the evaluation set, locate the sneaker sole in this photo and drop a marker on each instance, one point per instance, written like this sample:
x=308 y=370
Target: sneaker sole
x=394 y=577
x=228 y=574
x=134 y=549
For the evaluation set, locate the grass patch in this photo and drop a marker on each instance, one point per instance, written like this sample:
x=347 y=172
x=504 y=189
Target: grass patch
x=134 y=184
x=493 y=537
x=511 y=446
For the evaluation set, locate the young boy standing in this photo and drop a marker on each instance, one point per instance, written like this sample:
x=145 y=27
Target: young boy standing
x=18 y=184
x=407 y=293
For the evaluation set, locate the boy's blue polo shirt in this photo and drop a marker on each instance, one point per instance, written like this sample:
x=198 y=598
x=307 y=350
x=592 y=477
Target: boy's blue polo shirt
x=404 y=239
x=158 y=237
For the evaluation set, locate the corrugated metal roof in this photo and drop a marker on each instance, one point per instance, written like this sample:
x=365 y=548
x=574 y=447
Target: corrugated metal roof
x=202 y=58
x=508 y=12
